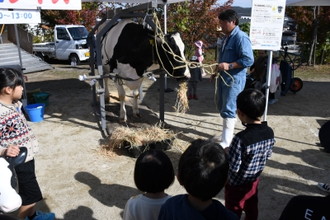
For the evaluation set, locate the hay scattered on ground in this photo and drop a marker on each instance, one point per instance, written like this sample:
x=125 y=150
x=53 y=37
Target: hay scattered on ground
x=127 y=138
x=181 y=102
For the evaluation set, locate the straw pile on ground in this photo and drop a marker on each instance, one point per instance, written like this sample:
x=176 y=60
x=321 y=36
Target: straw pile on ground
x=138 y=140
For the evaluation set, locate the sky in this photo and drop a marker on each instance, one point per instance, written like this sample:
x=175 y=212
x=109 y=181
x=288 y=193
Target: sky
x=240 y=3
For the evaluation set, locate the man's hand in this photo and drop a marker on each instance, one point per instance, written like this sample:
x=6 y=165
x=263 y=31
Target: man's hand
x=223 y=66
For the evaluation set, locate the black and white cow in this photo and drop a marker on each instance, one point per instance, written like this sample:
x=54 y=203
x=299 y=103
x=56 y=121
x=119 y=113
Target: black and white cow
x=127 y=50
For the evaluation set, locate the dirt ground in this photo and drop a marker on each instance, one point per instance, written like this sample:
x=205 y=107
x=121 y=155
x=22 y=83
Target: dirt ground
x=78 y=182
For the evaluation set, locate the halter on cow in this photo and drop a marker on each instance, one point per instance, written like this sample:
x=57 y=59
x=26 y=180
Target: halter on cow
x=127 y=51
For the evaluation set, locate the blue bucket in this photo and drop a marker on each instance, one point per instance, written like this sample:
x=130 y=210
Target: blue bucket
x=35 y=111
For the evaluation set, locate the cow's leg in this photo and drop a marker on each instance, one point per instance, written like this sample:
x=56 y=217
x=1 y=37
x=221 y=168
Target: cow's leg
x=121 y=94
x=106 y=90
x=136 y=112
x=135 y=86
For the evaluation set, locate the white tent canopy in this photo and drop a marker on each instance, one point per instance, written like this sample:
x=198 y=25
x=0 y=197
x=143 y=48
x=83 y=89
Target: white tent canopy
x=308 y=2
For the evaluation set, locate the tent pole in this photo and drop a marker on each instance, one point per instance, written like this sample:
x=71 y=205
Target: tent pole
x=18 y=46
x=24 y=101
x=165 y=32
x=165 y=18
x=163 y=78
x=269 y=72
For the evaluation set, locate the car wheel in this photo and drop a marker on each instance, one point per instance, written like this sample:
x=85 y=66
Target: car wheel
x=74 y=60
x=296 y=85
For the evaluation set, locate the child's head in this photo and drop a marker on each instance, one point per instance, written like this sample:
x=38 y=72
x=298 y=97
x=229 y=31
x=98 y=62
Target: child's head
x=252 y=103
x=153 y=171
x=10 y=78
x=199 y=44
x=203 y=169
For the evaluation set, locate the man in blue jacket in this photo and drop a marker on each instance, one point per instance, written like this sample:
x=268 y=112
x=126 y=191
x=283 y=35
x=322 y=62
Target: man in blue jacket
x=235 y=56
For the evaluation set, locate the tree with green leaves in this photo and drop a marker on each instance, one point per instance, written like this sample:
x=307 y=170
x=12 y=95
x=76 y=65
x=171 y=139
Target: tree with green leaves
x=196 y=20
x=313 y=32
x=86 y=16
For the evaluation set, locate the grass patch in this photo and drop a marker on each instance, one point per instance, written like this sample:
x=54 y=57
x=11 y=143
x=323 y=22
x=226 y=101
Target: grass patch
x=317 y=72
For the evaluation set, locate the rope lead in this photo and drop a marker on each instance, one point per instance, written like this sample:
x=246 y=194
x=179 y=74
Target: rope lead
x=208 y=68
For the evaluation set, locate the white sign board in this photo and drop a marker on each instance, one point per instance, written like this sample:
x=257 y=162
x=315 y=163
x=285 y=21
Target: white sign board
x=20 y=17
x=267 y=18
x=43 y=4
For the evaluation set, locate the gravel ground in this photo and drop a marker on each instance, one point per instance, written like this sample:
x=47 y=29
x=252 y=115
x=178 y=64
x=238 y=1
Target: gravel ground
x=79 y=182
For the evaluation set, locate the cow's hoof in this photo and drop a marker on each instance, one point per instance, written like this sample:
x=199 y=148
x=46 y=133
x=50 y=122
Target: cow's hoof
x=122 y=120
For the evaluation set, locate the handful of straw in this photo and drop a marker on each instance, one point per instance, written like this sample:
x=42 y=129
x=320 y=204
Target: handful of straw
x=181 y=102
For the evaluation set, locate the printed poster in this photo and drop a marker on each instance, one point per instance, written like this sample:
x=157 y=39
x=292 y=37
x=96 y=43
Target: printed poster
x=267 y=18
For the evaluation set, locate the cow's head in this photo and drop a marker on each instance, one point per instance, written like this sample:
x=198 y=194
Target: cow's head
x=171 y=56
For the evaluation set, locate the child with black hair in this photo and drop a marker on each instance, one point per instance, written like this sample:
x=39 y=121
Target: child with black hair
x=203 y=171
x=14 y=134
x=248 y=154
x=153 y=174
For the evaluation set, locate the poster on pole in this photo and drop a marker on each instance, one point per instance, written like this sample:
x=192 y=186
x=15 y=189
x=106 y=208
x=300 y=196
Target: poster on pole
x=42 y=4
x=267 y=18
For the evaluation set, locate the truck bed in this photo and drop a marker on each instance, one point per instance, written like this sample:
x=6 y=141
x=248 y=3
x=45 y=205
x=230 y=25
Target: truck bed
x=44 y=47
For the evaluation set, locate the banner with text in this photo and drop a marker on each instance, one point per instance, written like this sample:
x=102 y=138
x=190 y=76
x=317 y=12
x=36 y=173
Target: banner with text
x=20 y=17
x=267 y=18
x=43 y=4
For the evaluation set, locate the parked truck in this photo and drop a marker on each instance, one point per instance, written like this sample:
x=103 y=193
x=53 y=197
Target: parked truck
x=70 y=43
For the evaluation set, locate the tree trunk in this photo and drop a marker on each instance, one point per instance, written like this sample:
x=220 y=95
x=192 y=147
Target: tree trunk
x=314 y=37
x=322 y=56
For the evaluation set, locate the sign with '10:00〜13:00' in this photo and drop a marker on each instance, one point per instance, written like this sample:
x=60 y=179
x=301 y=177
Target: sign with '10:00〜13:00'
x=19 y=17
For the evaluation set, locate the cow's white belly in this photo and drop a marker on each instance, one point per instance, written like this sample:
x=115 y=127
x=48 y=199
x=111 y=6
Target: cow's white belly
x=127 y=71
